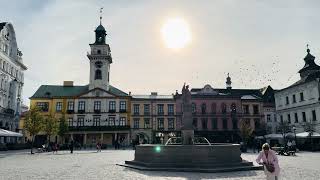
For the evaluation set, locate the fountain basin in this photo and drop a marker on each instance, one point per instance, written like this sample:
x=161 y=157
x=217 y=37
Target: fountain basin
x=200 y=158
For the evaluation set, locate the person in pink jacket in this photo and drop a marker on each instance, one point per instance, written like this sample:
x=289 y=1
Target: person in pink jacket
x=268 y=156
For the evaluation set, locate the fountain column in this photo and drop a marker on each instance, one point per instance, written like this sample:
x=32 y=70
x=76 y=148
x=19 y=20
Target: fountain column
x=187 y=126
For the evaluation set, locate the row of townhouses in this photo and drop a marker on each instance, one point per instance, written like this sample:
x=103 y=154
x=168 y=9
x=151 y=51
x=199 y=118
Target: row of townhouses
x=101 y=112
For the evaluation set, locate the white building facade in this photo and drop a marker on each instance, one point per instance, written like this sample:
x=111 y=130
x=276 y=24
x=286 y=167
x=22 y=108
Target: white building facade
x=11 y=78
x=299 y=104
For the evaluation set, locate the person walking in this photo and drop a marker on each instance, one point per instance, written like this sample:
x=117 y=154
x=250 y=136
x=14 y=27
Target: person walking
x=269 y=161
x=71 y=146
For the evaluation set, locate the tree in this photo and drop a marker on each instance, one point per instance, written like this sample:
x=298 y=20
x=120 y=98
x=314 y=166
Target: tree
x=33 y=123
x=50 y=126
x=284 y=128
x=63 y=127
x=245 y=130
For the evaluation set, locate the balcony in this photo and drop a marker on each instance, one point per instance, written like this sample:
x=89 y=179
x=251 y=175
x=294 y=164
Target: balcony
x=170 y=113
x=99 y=128
x=123 y=111
x=112 y=111
x=97 y=111
x=70 y=111
x=81 y=111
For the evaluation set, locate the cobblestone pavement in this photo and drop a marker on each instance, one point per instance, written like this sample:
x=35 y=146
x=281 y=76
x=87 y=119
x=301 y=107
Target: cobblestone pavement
x=83 y=165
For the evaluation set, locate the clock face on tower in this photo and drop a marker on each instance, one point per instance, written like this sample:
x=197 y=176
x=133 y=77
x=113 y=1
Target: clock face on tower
x=98 y=64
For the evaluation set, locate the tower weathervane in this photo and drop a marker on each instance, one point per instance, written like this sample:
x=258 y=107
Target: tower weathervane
x=101 y=14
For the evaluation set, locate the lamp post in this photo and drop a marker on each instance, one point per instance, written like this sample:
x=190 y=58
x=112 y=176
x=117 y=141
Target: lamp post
x=295 y=135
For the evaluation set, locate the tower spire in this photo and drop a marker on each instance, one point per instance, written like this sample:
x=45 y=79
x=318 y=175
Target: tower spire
x=308 y=50
x=101 y=14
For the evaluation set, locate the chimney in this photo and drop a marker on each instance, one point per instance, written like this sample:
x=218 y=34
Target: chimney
x=68 y=83
x=129 y=93
x=228 y=83
x=154 y=93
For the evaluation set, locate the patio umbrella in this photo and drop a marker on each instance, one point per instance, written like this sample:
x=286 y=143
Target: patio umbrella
x=6 y=133
x=307 y=134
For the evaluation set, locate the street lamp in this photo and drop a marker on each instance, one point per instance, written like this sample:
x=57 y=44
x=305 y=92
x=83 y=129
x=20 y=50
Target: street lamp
x=295 y=135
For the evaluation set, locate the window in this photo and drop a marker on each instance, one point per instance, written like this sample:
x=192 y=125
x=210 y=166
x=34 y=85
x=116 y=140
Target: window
x=80 y=121
x=112 y=106
x=59 y=106
x=111 y=121
x=70 y=121
x=223 y=108
x=123 y=106
x=136 y=109
x=301 y=96
x=194 y=108
x=96 y=121
x=255 y=109
x=160 y=123
x=314 y=116
x=294 y=98
x=97 y=106
x=70 y=106
x=296 y=117
x=289 y=118
x=281 y=118
x=171 y=123
x=99 y=51
x=304 y=119
x=204 y=122
x=268 y=118
x=233 y=108
x=246 y=109
x=136 y=123
x=170 y=109
x=287 y=100
x=146 y=109
x=195 y=122
x=98 y=74
x=213 y=108
x=234 y=123
x=147 y=123
x=43 y=106
x=225 y=123
x=214 y=123
x=122 y=121
x=203 y=108
x=160 y=109
x=81 y=106
x=257 y=124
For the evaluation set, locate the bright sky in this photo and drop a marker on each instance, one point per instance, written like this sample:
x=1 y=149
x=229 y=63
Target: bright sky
x=257 y=42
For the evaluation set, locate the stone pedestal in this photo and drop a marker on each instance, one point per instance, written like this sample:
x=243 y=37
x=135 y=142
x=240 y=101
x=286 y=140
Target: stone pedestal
x=187 y=137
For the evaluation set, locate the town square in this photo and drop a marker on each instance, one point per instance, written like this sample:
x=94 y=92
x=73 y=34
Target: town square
x=159 y=90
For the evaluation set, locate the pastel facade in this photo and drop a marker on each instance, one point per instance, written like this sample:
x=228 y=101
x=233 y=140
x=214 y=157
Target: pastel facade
x=11 y=78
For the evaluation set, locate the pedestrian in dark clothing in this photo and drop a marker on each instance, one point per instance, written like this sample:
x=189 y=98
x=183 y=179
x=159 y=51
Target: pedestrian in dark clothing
x=71 y=146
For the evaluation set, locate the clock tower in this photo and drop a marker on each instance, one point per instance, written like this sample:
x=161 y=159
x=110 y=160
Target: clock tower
x=100 y=60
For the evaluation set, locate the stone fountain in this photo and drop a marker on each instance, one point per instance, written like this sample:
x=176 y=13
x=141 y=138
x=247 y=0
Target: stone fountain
x=189 y=156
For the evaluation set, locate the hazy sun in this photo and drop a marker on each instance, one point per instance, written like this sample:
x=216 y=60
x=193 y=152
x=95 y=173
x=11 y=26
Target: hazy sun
x=176 y=33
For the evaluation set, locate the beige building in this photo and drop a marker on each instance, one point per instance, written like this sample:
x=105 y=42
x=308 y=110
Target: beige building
x=153 y=118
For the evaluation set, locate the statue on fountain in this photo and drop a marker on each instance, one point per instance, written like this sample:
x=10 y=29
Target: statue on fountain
x=187 y=126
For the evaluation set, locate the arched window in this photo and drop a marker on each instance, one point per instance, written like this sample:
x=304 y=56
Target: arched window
x=203 y=108
x=99 y=51
x=213 y=108
x=223 y=108
x=233 y=108
x=98 y=74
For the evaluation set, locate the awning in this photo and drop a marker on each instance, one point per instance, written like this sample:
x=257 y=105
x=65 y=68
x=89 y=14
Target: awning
x=274 y=136
x=307 y=134
x=6 y=133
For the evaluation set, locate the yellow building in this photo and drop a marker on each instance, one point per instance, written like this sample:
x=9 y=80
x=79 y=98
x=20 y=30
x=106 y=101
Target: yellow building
x=97 y=112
